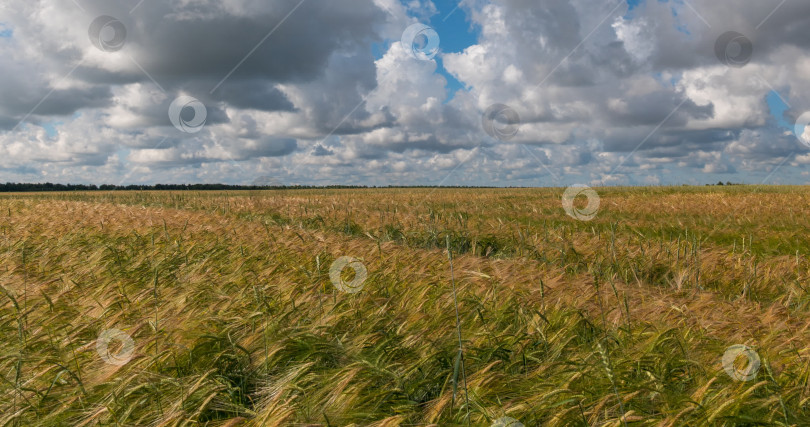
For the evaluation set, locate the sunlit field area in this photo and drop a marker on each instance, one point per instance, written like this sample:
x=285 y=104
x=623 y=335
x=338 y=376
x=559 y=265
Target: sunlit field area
x=656 y=306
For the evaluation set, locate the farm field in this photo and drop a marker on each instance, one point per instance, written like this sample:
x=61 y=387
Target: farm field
x=671 y=306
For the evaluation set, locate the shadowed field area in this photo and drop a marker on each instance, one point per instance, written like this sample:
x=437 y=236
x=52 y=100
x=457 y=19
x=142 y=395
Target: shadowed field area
x=234 y=320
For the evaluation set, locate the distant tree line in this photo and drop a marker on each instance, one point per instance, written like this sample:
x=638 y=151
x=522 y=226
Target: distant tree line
x=727 y=183
x=11 y=187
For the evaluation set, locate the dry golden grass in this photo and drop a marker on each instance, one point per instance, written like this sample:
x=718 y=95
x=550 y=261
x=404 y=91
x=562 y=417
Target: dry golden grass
x=621 y=320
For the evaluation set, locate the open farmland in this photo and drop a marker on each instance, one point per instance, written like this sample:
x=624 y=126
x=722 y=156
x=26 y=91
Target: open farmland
x=223 y=311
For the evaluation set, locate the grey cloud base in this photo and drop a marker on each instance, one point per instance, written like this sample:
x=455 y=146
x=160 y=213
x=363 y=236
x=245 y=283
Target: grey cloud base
x=293 y=90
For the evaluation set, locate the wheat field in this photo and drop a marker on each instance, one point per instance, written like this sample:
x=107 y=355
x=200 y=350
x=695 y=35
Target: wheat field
x=671 y=306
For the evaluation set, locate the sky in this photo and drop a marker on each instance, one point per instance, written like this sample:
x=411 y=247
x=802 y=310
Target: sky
x=405 y=92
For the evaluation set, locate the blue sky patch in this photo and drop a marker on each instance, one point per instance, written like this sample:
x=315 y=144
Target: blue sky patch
x=778 y=107
x=5 y=31
x=632 y=4
x=456 y=34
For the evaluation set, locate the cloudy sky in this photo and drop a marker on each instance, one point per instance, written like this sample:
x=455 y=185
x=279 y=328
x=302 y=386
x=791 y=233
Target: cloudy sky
x=402 y=92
